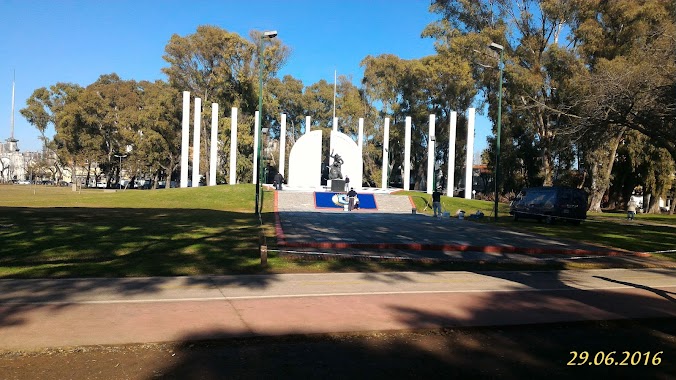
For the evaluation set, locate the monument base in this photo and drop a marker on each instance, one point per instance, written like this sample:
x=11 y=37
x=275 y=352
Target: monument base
x=337 y=185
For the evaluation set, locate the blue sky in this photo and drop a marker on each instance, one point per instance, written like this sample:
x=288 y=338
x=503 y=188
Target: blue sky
x=49 y=41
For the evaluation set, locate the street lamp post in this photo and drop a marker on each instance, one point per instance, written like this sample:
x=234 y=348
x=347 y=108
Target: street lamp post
x=119 y=171
x=498 y=48
x=269 y=34
x=263 y=172
x=433 y=140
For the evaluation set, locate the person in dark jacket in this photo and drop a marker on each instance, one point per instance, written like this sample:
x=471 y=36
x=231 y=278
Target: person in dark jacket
x=436 y=203
x=278 y=181
x=351 y=195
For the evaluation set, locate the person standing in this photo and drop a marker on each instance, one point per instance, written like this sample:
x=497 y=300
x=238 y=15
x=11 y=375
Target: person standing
x=278 y=181
x=347 y=183
x=631 y=209
x=436 y=203
x=351 y=195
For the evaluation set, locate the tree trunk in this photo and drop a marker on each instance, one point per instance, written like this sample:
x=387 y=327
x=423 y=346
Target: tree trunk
x=548 y=173
x=156 y=178
x=546 y=136
x=601 y=173
x=74 y=175
x=89 y=168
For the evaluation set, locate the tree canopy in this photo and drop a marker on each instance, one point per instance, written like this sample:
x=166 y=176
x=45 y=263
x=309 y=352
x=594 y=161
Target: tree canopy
x=588 y=98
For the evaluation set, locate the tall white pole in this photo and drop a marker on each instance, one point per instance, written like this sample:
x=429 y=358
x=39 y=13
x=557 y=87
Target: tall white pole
x=308 y=119
x=233 y=147
x=214 y=144
x=335 y=124
x=470 y=153
x=196 y=143
x=407 y=154
x=386 y=151
x=185 y=139
x=11 y=117
x=255 y=159
x=335 y=73
x=360 y=145
x=282 y=146
x=450 y=182
x=430 y=155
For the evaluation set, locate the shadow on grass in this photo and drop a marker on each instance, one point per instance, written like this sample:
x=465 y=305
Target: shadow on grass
x=615 y=233
x=118 y=242
x=88 y=247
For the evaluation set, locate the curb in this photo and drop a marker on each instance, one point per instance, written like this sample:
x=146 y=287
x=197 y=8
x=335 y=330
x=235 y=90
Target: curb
x=453 y=247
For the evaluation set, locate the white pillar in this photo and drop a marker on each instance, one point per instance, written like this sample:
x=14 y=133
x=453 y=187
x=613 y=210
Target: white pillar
x=255 y=150
x=360 y=146
x=214 y=144
x=360 y=142
x=196 y=143
x=450 y=181
x=386 y=152
x=470 y=153
x=233 y=147
x=407 y=154
x=282 y=146
x=335 y=124
x=307 y=124
x=430 y=155
x=185 y=139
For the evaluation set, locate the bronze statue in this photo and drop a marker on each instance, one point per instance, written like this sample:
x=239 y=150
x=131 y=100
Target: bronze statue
x=334 y=171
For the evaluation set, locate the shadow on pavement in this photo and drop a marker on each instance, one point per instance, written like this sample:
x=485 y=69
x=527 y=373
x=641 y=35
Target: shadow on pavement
x=512 y=352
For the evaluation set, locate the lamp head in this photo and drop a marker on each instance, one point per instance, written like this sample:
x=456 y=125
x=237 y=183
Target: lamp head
x=270 y=34
x=496 y=47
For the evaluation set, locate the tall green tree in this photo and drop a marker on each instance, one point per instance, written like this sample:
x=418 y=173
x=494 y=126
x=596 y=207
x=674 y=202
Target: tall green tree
x=529 y=31
x=437 y=84
x=222 y=67
x=45 y=107
x=629 y=49
x=156 y=136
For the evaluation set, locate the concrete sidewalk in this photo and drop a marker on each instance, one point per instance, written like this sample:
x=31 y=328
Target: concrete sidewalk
x=37 y=314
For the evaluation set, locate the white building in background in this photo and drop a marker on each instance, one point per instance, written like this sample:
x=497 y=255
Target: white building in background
x=13 y=163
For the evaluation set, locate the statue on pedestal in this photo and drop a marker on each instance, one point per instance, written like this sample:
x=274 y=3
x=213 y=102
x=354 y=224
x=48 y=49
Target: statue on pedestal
x=334 y=170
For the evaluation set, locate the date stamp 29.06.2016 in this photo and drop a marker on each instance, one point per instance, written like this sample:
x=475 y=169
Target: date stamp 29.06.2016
x=615 y=358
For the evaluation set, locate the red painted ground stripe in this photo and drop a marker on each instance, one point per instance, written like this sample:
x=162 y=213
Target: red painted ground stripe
x=411 y=200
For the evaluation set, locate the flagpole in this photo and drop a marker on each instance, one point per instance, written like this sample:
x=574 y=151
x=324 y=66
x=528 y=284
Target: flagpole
x=334 y=93
x=11 y=123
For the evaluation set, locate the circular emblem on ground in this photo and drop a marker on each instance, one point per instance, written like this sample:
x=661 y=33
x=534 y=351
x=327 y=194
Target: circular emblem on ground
x=339 y=199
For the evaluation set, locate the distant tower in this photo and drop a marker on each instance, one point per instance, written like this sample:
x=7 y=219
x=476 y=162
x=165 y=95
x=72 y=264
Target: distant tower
x=12 y=145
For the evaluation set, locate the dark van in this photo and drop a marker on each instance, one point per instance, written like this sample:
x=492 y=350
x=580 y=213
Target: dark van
x=550 y=203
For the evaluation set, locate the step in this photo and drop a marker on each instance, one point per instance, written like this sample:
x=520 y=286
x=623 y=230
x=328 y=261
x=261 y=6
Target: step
x=294 y=201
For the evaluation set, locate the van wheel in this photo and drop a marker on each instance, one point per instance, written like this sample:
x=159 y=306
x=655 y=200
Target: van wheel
x=576 y=222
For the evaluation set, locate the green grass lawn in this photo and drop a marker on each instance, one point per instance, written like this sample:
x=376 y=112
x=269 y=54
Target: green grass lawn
x=648 y=233
x=55 y=232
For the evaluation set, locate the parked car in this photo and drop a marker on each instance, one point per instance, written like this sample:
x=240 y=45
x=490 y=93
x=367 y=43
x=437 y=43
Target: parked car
x=550 y=203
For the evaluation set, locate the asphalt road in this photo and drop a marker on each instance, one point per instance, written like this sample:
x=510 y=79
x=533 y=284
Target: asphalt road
x=37 y=314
